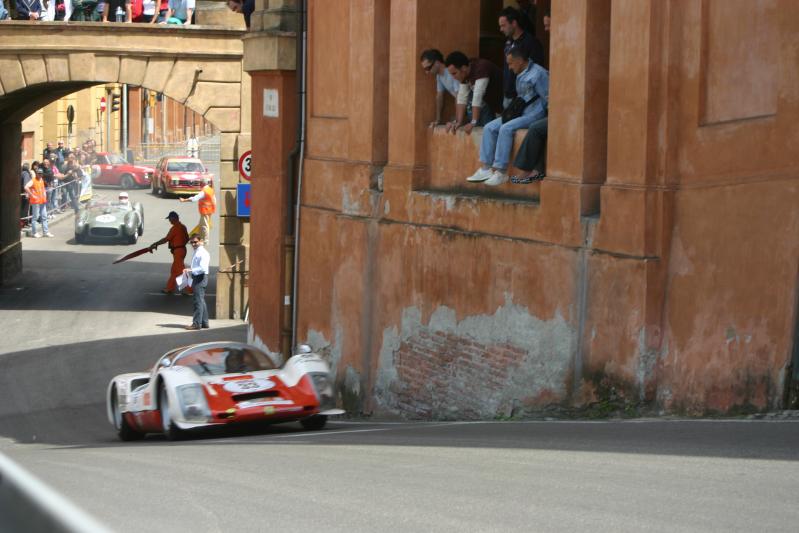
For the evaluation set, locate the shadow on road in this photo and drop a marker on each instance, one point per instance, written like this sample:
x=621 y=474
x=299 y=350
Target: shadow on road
x=56 y=396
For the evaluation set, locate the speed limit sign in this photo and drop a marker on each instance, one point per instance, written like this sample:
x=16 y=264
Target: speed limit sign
x=245 y=165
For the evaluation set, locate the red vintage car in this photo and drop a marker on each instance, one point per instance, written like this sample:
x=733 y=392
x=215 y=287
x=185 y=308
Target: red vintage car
x=180 y=175
x=115 y=170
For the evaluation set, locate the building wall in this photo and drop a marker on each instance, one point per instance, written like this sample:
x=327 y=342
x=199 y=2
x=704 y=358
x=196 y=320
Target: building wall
x=656 y=266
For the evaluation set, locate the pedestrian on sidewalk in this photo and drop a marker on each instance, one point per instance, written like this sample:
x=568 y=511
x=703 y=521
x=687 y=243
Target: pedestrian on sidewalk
x=177 y=237
x=199 y=272
x=206 y=205
x=37 y=197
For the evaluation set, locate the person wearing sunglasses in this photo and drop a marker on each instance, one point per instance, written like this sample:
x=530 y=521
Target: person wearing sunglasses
x=432 y=61
x=199 y=272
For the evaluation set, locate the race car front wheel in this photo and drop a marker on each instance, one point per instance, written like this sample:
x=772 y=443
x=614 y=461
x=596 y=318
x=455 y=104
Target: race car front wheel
x=314 y=422
x=124 y=430
x=169 y=428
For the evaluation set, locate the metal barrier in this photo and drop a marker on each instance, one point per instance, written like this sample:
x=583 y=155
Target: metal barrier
x=80 y=192
x=208 y=149
x=27 y=504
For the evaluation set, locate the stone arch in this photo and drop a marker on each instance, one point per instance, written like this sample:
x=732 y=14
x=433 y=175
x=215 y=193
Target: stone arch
x=41 y=63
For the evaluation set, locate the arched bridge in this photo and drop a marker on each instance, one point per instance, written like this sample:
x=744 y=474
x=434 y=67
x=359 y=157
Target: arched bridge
x=200 y=67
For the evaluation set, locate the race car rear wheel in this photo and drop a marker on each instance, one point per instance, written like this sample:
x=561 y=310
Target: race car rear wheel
x=314 y=422
x=80 y=238
x=168 y=426
x=124 y=430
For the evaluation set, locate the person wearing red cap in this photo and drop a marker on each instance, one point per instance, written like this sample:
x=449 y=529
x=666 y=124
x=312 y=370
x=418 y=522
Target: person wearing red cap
x=177 y=237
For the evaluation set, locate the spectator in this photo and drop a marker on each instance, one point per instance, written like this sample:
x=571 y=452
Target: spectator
x=532 y=85
x=433 y=63
x=245 y=7
x=511 y=24
x=62 y=155
x=28 y=10
x=531 y=158
x=84 y=10
x=547 y=20
x=38 y=200
x=58 y=10
x=3 y=11
x=199 y=272
x=145 y=11
x=180 y=12
x=111 y=7
x=25 y=177
x=484 y=80
x=48 y=151
x=73 y=175
x=49 y=179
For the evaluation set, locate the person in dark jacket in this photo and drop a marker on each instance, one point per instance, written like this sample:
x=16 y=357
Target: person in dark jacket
x=28 y=9
x=25 y=176
x=512 y=25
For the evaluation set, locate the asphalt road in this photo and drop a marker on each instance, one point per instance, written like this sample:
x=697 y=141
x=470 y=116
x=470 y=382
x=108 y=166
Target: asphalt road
x=72 y=321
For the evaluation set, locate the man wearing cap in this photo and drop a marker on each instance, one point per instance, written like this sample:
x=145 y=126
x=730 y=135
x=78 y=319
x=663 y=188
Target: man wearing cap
x=199 y=272
x=37 y=196
x=177 y=237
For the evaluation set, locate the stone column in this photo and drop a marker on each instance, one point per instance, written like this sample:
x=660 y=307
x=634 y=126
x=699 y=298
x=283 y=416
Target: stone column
x=270 y=60
x=10 y=246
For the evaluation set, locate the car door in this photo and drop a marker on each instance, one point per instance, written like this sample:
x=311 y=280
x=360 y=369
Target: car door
x=106 y=171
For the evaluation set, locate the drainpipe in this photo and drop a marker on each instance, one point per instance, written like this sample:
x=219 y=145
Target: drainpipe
x=296 y=156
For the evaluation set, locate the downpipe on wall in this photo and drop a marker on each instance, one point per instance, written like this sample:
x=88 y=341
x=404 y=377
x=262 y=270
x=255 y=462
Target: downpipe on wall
x=295 y=162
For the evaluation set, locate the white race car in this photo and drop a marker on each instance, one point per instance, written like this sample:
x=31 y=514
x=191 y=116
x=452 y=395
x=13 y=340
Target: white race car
x=220 y=383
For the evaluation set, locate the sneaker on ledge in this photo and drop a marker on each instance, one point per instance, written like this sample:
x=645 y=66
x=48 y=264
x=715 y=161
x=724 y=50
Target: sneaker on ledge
x=37 y=235
x=48 y=234
x=482 y=174
x=498 y=177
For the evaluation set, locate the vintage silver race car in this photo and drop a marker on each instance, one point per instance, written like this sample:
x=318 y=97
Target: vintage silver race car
x=110 y=221
x=220 y=384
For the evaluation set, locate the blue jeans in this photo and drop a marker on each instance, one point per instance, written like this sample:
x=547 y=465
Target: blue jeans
x=497 y=140
x=51 y=200
x=38 y=210
x=200 y=317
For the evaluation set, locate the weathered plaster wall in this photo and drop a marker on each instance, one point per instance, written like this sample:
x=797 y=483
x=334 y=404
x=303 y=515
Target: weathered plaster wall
x=655 y=267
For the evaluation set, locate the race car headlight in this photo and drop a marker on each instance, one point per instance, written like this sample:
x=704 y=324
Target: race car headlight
x=324 y=390
x=193 y=403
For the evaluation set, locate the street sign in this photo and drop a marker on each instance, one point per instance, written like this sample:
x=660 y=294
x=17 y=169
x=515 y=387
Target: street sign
x=245 y=165
x=102 y=104
x=243 y=199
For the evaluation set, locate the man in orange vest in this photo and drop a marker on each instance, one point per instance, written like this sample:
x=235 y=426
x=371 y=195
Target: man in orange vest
x=206 y=204
x=37 y=196
x=177 y=237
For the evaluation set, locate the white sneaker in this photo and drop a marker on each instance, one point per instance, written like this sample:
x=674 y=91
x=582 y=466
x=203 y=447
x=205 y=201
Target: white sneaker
x=48 y=234
x=37 y=235
x=498 y=177
x=482 y=174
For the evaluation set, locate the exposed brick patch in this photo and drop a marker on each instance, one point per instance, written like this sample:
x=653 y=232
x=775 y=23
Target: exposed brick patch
x=444 y=375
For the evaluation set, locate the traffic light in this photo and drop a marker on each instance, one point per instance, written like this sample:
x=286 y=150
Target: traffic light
x=115 y=102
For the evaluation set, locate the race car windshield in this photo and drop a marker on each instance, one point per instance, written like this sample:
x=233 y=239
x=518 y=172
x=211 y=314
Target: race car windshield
x=185 y=166
x=225 y=360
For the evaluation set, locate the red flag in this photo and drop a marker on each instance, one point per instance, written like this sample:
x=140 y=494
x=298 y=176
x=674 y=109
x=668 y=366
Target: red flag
x=131 y=255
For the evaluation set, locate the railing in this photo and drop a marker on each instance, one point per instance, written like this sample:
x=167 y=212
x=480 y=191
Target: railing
x=27 y=504
x=208 y=149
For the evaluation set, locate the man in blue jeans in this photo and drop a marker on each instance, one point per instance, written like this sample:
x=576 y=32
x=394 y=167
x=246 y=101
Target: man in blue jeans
x=532 y=84
x=199 y=272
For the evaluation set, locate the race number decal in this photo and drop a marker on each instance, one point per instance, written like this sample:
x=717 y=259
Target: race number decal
x=248 y=385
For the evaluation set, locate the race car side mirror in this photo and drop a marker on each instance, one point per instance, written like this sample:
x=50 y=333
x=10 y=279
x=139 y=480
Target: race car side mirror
x=304 y=348
x=165 y=363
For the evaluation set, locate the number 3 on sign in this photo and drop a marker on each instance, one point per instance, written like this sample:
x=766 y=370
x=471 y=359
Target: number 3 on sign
x=245 y=165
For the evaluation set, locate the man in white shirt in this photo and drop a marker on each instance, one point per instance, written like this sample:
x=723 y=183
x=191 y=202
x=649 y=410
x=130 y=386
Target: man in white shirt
x=199 y=272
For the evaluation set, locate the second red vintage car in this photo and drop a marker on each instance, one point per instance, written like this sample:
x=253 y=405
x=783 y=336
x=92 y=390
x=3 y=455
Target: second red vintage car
x=115 y=170
x=180 y=175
